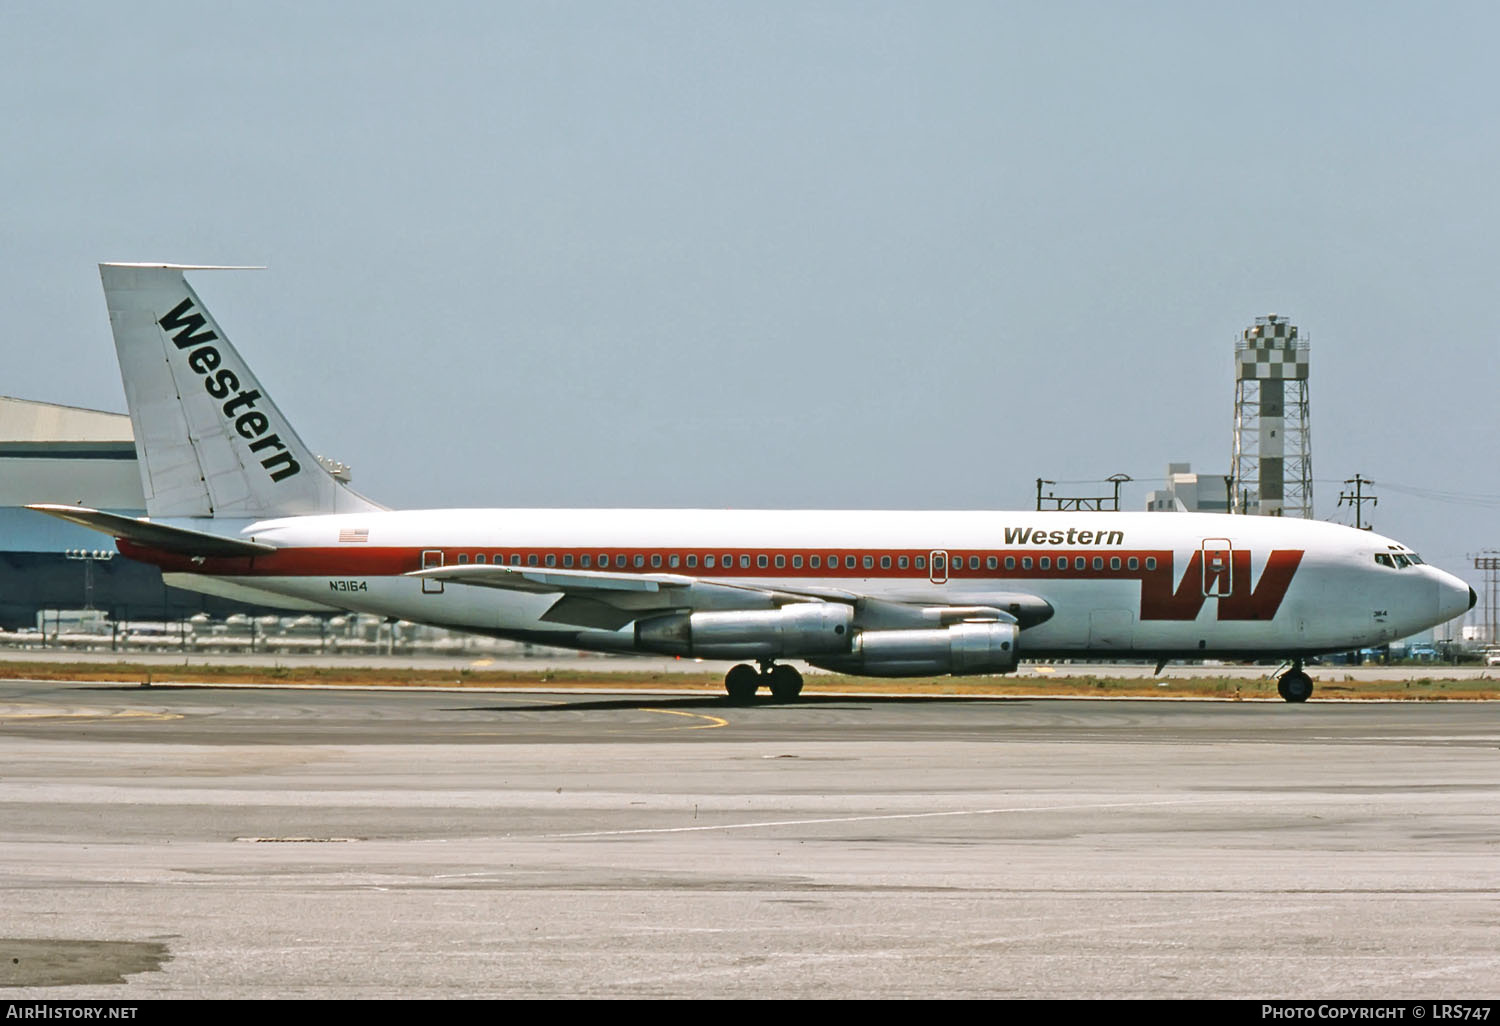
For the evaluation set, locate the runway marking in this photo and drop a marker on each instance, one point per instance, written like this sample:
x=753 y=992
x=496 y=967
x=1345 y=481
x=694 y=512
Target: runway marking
x=884 y=816
x=87 y=714
x=713 y=721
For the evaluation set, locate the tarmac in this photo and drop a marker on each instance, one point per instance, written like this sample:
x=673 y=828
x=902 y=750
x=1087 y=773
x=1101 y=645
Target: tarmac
x=218 y=842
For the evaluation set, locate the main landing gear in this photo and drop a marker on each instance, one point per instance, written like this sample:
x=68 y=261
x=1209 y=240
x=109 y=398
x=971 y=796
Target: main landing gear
x=784 y=682
x=1294 y=685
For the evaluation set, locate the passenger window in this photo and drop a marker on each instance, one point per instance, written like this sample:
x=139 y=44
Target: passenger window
x=760 y=561
x=814 y=562
x=692 y=560
x=708 y=562
x=584 y=560
x=673 y=560
x=479 y=558
x=1010 y=562
x=463 y=557
x=1114 y=562
x=567 y=559
x=1098 y=562
x=885 y=562
x=726 y=561
x=939 y=564
x=1079 y=563
x=991 y=563
x=1133 y=563
x=796 y=562
x=869 y=562
x=515 y=560
x=921 y=562
x=902 y=562
x=1026 y=562
x=744 y=562
x=551 y=559
x=1150 y=562
x=640 y=560
x=1046 y=563
x=973 y=562
x=849 y=562
x=531 y=559
x=604 y=559
x=655 y=560
x=780 y=562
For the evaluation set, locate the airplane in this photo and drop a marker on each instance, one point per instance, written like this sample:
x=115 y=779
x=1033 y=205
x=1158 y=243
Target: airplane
x=238 y=506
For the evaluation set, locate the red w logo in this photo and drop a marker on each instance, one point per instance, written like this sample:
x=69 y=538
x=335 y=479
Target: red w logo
x=1237 y=601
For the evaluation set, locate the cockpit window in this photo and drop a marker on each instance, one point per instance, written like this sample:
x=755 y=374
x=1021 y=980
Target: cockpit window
x=1384 y=560
x=1401 y=561
x=1416 y=559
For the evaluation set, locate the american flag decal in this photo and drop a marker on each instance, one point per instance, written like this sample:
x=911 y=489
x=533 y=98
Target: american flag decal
x=354 y=534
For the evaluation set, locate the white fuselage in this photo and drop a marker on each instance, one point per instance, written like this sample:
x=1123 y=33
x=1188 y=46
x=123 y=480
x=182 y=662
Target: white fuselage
x=1149 y=583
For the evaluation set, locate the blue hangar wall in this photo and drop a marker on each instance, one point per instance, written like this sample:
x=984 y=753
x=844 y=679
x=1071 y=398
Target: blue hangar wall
x=64 y=454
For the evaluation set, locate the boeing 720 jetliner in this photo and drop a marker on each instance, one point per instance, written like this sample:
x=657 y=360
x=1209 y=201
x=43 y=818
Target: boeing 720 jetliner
x=238 y=506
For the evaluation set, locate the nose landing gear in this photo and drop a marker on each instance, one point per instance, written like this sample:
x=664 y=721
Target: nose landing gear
x=1294 y=685
x=742 y=681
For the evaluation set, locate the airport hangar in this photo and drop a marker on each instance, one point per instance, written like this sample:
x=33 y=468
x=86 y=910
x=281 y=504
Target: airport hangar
x=64 y=454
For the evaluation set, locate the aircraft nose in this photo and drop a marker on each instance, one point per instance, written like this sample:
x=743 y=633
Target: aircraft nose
x=1454 y=597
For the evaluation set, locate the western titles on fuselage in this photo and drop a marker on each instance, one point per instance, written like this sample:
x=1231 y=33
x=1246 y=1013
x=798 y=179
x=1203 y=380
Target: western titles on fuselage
x=1072 y=536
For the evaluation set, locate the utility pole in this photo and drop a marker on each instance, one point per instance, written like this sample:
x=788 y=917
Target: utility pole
x=1082 y=502
x=1358 y=500
x=1489 y=562
x=1039 y=482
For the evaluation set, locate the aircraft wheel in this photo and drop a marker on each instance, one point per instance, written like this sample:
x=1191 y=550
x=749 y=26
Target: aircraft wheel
x=1295 y=686
x=741 y=682
x=785 y=683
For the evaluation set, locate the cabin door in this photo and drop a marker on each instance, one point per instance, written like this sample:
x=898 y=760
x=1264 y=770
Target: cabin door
x=431 y=560
x=1218 y=568
x=937 y=566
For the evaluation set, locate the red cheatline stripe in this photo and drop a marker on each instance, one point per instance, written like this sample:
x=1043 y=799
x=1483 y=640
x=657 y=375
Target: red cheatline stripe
x=375 y=561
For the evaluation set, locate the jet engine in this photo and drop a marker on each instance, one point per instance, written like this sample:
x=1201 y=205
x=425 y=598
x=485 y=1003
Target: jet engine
x=963 y=648
x=801 y=629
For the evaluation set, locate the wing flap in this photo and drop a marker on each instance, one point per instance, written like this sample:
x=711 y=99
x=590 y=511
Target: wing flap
x=578 y=611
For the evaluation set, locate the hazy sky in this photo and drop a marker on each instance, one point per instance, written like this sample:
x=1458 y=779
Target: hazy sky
x=802 y=254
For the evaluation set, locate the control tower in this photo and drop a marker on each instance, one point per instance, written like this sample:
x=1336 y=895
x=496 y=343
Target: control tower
x=1272 y=462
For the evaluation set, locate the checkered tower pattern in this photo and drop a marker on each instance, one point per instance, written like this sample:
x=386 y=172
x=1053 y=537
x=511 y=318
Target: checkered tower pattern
x=1272 y=458
x=1271 y=350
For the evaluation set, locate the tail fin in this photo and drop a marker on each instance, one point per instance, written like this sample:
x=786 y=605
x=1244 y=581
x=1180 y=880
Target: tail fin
x=211 y=443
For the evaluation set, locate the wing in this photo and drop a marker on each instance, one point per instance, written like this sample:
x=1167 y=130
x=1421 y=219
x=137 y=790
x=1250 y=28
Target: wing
x=605 y=600
x=602 y=599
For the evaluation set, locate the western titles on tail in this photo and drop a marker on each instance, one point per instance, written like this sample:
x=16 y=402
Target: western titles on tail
x=211 y=441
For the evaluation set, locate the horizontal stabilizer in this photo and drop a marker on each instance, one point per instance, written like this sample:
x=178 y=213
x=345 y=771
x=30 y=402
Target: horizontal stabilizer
x=181 y=540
